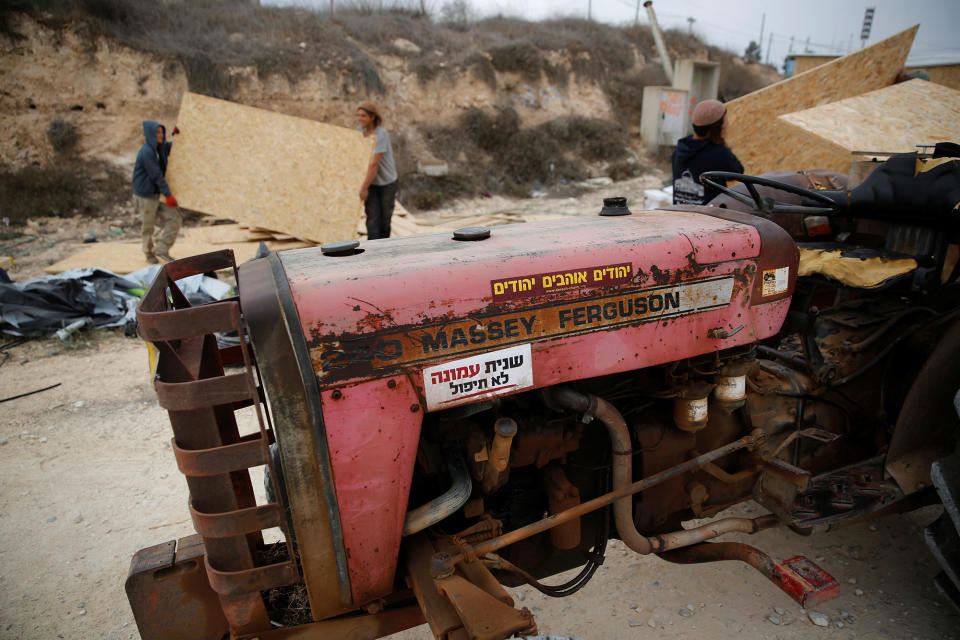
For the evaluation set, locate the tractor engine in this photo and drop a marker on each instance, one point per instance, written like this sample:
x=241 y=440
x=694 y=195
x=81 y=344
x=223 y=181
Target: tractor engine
x=440 y=416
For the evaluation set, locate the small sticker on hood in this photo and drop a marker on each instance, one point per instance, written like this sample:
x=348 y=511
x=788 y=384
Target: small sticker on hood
x=471 y=379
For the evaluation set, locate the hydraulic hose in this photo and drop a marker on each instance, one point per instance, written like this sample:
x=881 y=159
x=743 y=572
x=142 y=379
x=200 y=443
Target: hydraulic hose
x=446 y=504
x=622 y=459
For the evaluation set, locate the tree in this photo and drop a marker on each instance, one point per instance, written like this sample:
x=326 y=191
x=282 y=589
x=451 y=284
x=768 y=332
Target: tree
x=752 y=52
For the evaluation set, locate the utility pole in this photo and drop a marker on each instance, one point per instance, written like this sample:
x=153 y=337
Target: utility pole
x=806 y=47
x=636 y=16
x=769 y=44
x=790 y=50
x=331 y=7
x=589 y=10
x=867 y=23
x=690 y=21
x=763 y=22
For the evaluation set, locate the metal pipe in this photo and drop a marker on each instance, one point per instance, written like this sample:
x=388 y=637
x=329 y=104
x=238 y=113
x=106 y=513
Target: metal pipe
x=622 y=459
x=687 y=537
x=439 y=508
x=503 y=432
x=658 y=38
x=749 y=441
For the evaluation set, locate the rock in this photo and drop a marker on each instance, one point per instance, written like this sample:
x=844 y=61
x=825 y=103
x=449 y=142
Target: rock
x=634 y=623
x=858 y=592
x=78 y=518
x=686 y=613
x=78 y=404
x=872 y=527
x=3 y=441
x=844 y=614
x=52 y=519
x=839 y=624
x=43 y=439
x=82 y=612
x=634 y=606
x=779 y=611
x=851 y=581
x=652 y=623
x=774 y=618
x=690 y=607
x=656 y=584
x=404 y=45
x=521 y=596
x=818 y=619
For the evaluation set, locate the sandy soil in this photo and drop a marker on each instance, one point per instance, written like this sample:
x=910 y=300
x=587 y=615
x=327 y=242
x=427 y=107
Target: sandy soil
x=87 y=478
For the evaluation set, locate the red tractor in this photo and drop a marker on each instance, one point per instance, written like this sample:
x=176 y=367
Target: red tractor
x=442 y=416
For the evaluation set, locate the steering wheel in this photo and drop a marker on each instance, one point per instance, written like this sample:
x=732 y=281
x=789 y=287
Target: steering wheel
x=764 y=204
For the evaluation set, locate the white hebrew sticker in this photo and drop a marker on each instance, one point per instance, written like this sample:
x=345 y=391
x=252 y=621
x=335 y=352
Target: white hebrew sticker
x=775 y=281
x=477 y=377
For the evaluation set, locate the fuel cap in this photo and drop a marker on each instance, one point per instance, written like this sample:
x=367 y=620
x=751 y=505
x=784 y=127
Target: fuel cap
x=472 y=233
x=615 y=207
x=344 y=248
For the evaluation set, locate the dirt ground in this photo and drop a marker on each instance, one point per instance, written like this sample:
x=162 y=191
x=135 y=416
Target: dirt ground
x=87 y=478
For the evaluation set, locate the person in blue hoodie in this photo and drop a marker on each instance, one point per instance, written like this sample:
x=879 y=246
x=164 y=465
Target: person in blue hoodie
x=705 y=150
x=148 y=185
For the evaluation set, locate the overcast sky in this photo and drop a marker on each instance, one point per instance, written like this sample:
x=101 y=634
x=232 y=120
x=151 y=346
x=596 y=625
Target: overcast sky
x=832 y=26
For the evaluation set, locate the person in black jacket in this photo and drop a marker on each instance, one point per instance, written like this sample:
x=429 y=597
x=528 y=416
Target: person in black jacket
x=704 y=151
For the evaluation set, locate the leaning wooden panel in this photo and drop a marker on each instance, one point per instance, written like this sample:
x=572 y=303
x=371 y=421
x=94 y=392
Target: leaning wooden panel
x=893 y=120
x=268 y=170
x=762 y=142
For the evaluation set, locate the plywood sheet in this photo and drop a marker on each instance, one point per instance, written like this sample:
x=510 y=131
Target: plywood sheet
x=267 y=170
x=125 y=257
x=763 y=143
x=893 y=119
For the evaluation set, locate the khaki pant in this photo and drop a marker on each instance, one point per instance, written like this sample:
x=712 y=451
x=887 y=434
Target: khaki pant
x=152 y=211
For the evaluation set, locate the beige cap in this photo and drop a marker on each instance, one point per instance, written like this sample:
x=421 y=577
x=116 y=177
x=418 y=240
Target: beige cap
x=370 y=108
x=707 y=112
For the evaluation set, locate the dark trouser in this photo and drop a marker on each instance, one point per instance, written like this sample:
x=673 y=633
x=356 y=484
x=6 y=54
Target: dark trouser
x=379 y=209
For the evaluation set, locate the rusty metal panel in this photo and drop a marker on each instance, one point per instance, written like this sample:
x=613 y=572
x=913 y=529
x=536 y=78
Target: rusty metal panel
x=168 y=591
x=300 y=431
x=219 y=460
x=207 y=440
x=373 y=429
x=363 y=317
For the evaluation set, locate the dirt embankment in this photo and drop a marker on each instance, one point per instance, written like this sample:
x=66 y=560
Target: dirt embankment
x=105 y=72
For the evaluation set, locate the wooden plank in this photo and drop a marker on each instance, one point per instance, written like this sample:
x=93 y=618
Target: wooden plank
x=124 y=257
x=267 y=170
x=894 y=119
x=763 y=143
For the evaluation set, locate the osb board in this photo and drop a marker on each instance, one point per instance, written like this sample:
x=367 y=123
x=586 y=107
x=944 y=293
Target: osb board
x=268 y=170
x=893 y=119
x=124 y=257
x=805 y=63
x=948 y=75
x=762 y=142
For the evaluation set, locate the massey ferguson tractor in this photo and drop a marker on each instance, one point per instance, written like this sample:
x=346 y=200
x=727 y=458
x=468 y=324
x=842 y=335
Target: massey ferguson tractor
x=443 y=416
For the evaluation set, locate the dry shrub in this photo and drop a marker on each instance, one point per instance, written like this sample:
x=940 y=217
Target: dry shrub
x=59 y=191
x=520 y=57
x=62 y=136
x=424 y=192
x=736 y=81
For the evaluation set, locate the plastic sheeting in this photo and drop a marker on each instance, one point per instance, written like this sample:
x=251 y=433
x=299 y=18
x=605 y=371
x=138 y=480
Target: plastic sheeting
x=42 y=306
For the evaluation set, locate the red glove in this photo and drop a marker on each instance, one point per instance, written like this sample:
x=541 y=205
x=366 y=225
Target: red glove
x=171 y=201
x=175 y=131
